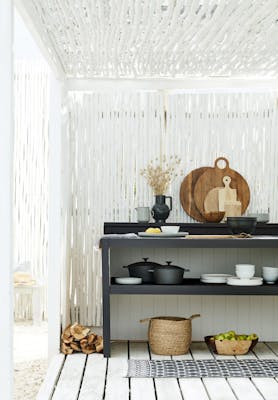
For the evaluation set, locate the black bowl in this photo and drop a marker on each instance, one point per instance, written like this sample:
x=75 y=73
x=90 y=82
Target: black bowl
x=241 y=224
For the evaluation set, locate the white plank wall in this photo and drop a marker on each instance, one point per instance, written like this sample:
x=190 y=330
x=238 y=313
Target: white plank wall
x=218 y=313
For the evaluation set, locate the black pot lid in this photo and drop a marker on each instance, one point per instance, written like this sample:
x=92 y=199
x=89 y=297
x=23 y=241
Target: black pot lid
x=144 y=263
x=170 y=267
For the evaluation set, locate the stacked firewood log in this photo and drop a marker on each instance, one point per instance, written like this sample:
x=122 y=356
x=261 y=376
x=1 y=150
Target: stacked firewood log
x=78 y=338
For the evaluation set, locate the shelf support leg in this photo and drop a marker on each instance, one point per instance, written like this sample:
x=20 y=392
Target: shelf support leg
x=106 y=299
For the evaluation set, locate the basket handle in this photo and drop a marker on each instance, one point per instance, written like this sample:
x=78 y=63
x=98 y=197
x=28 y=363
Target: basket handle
x=194 y=316
x=145 y=320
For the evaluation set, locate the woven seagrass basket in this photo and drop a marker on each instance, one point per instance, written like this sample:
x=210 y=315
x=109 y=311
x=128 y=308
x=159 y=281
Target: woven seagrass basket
x=170 y=335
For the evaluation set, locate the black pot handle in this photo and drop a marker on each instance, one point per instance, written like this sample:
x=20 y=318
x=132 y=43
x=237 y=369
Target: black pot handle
x=171 y=204
x=169 y=262
x=145 y=259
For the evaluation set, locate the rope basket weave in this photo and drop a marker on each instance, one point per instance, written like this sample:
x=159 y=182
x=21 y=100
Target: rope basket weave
x=170 y=335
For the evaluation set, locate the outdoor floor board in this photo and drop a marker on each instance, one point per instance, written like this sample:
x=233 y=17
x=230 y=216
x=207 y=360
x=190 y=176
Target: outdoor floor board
x=95 y=377
x=141 y=388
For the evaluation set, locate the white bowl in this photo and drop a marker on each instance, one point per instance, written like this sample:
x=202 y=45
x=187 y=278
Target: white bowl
x=245 y=267
x=245 y=271
x=128 y=281
x=170 y=228
x=270 y=274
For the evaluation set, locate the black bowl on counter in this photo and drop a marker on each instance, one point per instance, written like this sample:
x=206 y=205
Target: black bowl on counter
x=239 y=225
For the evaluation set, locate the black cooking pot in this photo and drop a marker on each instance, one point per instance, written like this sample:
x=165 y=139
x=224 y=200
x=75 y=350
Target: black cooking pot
x=142 y=270
x=168 y=274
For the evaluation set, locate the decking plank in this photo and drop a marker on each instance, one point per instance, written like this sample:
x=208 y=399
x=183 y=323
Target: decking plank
x=141 y=388
x=244 y=389
x=52 y=375
x=166 y=388
x=274 y=347
x=117 y=386
x=191 y=388
x=262 y=351
x=70 y=378
x=268 y=387
x=200 y=351
x=94 y=378
x=219 y=389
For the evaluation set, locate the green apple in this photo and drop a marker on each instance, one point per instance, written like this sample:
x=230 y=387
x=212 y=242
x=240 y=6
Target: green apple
x=253 y=336
x=219 y=337
x=232 y=333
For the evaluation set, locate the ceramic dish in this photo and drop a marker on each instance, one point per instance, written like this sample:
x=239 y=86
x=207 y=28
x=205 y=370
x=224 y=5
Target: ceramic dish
x=128 y=281
x=162 y=234
x=214 y=278
x=233 y=280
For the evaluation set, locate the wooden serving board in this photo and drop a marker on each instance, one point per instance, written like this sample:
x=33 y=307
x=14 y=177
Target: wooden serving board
x=187 y=193
x=212 y=178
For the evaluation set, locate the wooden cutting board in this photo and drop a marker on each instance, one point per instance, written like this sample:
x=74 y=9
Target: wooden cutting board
x=187 y=193
x=212 y=178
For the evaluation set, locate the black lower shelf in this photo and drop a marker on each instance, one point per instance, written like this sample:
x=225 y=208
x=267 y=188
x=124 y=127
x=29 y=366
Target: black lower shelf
x=194 y=286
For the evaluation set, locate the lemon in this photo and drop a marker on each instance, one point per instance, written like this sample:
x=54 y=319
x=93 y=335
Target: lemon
x=153 y=230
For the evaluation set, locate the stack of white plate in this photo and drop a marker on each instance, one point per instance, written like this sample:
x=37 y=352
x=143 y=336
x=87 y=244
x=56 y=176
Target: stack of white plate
x=214 y=278
x=255 y=281
x=128 y=281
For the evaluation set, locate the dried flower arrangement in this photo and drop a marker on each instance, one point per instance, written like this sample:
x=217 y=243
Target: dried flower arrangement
x=159 y=176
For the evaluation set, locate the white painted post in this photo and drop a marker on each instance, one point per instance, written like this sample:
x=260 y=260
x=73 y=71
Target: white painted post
x=6 y=179
x=54 y=258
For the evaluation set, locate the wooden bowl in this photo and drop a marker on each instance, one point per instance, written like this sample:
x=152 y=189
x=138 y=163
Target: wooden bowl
x=214 y=216
x=229 y=347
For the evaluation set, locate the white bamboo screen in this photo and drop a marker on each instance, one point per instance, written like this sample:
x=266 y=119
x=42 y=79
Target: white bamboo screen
x=31 y=173
x=158 y=38
x=111 y=136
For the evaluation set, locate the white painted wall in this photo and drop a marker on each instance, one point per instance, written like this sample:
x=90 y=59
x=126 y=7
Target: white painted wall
x=6 y=178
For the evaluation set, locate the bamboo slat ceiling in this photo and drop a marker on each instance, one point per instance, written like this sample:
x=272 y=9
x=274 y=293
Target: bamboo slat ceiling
x=159 y=38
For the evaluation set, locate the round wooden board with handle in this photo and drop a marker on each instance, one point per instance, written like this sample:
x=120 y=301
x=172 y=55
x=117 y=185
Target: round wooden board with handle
x=213 y=178
x=187 y=193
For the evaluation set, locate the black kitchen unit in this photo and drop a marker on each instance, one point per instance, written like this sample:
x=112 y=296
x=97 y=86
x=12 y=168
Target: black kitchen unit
x=189 y=286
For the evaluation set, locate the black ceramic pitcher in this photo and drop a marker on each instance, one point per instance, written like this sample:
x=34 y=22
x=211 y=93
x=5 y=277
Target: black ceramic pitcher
x=161 y=210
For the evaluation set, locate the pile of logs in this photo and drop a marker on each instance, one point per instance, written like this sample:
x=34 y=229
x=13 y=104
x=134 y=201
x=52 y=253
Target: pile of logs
x=78 y=338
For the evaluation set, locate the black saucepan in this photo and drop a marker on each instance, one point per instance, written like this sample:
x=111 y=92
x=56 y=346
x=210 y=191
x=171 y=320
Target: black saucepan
x=168 y=274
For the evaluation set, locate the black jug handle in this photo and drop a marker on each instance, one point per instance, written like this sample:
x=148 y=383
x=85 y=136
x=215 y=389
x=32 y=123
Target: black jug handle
x=171 y=205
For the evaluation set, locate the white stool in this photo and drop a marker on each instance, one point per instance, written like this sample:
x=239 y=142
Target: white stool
x=34 y=291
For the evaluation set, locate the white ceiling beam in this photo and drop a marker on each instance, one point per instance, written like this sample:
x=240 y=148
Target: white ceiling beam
x=215 y=83
x=54 y=62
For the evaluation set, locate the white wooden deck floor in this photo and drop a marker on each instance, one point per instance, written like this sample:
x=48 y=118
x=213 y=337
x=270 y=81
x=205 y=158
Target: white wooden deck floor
x=95 y=378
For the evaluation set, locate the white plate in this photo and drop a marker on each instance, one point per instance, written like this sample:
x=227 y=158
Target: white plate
x=234 y=280
x=128 y=281
x=162 y=234
x=214 y=278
